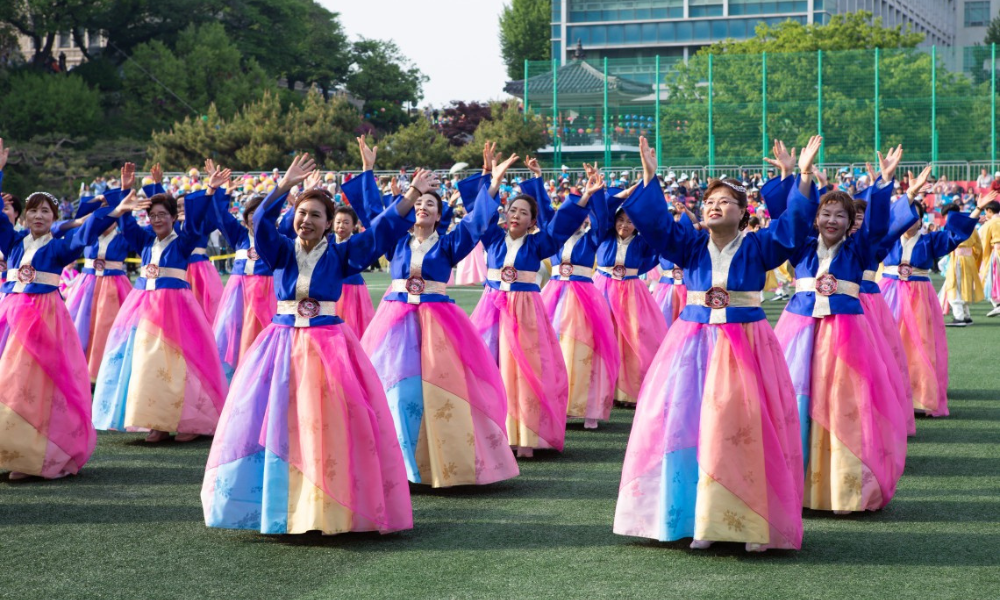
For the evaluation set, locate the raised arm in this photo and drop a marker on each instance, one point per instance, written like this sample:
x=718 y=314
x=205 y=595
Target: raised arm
x=647 y=208
x=275 y=248
x=470 y=230
x=789 y=231
x=137 y=237
x=535 y=187
x=386 y=229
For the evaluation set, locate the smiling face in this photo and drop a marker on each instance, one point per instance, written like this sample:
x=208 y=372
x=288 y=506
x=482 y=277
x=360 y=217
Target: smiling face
x=623 y=225
x=311 y=221
x=39 y=215
x=343 y=225
x=520 y=218
x=832 y=222
x=161 y=220
x=722 y=208
x=428 y=210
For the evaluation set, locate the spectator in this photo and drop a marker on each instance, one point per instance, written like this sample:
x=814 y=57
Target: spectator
x=984 y=181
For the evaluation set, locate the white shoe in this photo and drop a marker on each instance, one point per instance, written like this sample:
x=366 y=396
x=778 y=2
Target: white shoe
x=994 y=313
x=700 y=544
x=590 y=423
x=756 y=547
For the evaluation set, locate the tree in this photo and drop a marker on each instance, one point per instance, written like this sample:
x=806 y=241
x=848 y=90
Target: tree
x=458 y=122
x=263 y=135
x=386 y=80
x=205 y=69
x=42 y=20
x=524 y=34
x=33 y=104
x=993 y=32
x=848 y=101
x=415 y=145
x=509 y=129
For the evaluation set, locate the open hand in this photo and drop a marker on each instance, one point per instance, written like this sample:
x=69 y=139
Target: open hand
x=367 y=154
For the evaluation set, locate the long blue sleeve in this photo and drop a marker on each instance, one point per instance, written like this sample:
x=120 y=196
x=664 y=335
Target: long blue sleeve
x=7 y=233
x=224 y=221
x=563 y=225
x=535 y=187
x=363 y=195
x=363 y=248
x=787 y=232
x=775 y=193
x=647 y=208
x=469 y=187
x=471 y=229
x=957 y=228
x=274 y=248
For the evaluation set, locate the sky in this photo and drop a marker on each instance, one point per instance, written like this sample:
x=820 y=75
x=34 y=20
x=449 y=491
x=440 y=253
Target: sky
x=454 y=42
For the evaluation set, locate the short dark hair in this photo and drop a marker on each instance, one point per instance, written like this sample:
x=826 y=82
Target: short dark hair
x=741 y=197
x=16 y=202
x=251 y=205
x=844 y=200
x=167 y=201
x=346 y=210
x=992 y=206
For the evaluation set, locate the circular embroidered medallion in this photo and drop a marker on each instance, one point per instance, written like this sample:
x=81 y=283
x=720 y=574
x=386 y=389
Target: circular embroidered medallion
x=415 y=285
x=308 y=308
x=566 y=270
x=252 y=253
x=618 y=271
x=152 y=271
x=826 y=284
x=26 y=274
x=716 y=298
x=677 y=273
x=99 y=264
x=904 y=270
x=508 y=274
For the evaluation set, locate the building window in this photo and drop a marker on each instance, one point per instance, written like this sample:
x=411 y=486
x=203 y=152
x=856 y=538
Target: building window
x=977 y=14
x=65 y=39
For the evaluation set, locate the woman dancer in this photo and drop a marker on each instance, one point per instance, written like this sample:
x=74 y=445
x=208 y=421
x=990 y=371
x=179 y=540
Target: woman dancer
x=907 y=289
x=94 y=303
x=306 y=440
x=444 y=389
x=160 y=371
x=851 y=411
x=989 y=272
x=715 y=452
x=248 y=302
x=962 y=287
x=581 y=317
x=511 y=318
x=45 y=400
x=639 y=323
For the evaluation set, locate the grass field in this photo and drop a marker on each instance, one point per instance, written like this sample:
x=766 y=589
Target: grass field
x=130 y=526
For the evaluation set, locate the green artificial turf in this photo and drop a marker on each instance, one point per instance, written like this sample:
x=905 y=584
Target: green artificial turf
x=130 y=526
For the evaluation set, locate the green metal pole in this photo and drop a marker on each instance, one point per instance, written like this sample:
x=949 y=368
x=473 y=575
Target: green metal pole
x=556 y=145
x=819 y=104
x=526 y=90
x=763 y=111
x=656 y=90
x=711 y=134
x=607 y=140
x=993 y=109
x=878 y=134
x=934 y=133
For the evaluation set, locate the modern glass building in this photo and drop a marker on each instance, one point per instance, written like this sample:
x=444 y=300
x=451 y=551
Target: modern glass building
x=676 y=29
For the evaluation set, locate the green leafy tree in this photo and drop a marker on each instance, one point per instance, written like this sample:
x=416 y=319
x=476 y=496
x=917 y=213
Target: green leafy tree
x=33 y=103
x=524 y=34
x=848 y=102
x=415 y=145
x=993 y=32
x=509 y=129
x=386 y=80
x=163 y=85
x=263 y=135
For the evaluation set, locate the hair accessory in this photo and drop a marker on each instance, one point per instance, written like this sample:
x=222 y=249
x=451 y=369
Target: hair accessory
x=738 y=188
